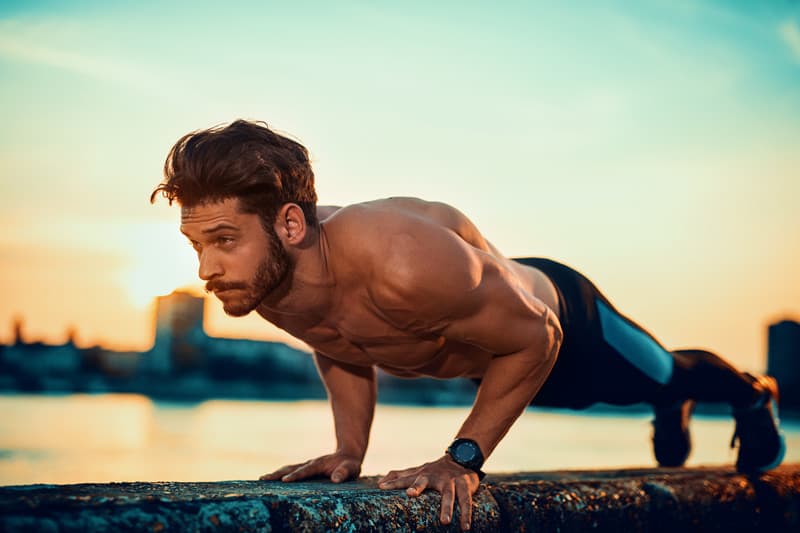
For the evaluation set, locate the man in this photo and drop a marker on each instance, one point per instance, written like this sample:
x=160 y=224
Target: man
x=413 y=288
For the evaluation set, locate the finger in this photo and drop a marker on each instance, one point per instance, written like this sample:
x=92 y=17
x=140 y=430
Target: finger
x=279 y=473
x=446 y=512
x=394 y=474
x=464 y=503
x=342 y=473
x=388 y=477
x=309 y=469
x=398 y=483
x=418 y=487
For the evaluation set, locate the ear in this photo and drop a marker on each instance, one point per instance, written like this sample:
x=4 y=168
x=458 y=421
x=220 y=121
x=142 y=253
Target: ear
x=290 y=225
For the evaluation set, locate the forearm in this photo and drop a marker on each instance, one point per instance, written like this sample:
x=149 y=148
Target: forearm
x=352 y=391
x=508 y=386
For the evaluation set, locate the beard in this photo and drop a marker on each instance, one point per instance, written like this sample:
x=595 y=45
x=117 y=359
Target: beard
x=268 y=277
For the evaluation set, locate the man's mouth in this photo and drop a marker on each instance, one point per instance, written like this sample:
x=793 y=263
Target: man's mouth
x=221 y=291
x=220 y=288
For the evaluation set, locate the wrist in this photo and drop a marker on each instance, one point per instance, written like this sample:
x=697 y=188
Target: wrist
x=351 y=451
x=467 y=453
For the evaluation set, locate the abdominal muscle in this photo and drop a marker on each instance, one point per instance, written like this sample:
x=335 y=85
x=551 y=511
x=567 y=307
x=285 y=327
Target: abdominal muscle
x=452 y=361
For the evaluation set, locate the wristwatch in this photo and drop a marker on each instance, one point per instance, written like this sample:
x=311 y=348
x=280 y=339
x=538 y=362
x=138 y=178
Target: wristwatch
x=467 y=453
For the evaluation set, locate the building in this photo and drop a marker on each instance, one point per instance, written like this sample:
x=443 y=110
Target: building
x=179 y=335
x=182 y=347
x=36 y=365
x=185 y=363
x=783 y=360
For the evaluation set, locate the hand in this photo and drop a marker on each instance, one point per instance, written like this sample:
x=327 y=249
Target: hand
x=445 y=476
x=339 y=466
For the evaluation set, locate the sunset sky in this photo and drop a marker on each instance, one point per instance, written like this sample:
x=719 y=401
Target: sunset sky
x=653 y=145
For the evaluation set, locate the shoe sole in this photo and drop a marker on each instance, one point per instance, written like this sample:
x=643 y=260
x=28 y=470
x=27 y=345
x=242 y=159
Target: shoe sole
x=782 y=451
x=771 y=384
x=779 y=459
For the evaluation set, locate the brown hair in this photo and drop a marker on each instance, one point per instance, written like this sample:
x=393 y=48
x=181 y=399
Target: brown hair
x=244 y=160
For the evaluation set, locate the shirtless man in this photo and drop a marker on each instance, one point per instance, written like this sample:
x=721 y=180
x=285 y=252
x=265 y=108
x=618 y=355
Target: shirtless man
x=413 y=288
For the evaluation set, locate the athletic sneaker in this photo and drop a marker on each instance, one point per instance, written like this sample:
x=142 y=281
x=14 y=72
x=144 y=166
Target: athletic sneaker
x=761 y=444
x=671 y=439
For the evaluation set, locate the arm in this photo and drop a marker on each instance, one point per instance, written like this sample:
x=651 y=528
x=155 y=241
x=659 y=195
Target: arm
x=471 y=297
x=352 y=392
x=508 y=386
x=511 y=382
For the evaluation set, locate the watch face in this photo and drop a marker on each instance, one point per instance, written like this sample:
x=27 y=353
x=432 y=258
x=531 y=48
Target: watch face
x=466 y=451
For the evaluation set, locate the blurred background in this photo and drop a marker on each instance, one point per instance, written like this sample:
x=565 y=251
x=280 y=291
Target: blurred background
x=655 y=147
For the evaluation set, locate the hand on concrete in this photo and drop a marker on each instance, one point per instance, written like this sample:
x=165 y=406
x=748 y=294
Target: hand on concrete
x=451 y=480
x=338 y=466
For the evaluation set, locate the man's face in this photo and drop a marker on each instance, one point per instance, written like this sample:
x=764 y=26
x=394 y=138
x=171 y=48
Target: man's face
x=240 y=261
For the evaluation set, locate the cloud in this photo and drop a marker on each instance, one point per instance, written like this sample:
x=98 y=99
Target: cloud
x=37 y=44
x=790 y=33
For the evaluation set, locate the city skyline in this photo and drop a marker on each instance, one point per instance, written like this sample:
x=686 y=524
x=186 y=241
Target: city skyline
x=185 y=363
x=653 y=146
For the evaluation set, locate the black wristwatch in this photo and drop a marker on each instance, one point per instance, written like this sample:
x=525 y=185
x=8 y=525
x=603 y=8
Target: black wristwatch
x=467 y=453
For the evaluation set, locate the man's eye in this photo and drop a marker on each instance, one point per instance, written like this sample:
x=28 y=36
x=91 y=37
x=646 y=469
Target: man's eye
x=225 y=241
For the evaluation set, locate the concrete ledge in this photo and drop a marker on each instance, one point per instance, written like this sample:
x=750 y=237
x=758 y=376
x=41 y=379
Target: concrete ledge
x=699 y=499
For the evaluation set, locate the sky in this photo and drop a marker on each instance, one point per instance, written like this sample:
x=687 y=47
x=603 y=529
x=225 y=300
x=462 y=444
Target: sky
x=654 y=146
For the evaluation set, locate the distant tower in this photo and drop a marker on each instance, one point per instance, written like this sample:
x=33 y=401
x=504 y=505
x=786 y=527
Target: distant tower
x=72 y=335
x=179 y=334
x=17 y=329
x=783 y=360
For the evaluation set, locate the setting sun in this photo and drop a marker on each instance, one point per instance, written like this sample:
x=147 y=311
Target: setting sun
x=160 y=262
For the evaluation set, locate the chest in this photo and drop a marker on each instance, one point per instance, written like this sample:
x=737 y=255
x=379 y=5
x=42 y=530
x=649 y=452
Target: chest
x=355 y=334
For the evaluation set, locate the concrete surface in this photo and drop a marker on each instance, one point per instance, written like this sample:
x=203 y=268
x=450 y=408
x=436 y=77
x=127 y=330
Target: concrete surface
x=697 y=499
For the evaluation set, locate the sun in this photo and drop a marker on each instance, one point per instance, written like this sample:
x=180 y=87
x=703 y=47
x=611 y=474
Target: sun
x=160 y=261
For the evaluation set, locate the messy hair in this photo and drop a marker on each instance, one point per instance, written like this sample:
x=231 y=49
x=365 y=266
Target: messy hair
x=244 y=160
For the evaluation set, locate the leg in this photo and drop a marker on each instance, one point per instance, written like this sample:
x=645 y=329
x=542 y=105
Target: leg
x=607 y=357
x=636 y=367
x=697 y=375
x=703 y=376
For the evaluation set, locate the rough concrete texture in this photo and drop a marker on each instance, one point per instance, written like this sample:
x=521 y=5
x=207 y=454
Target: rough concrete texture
x=700 y=499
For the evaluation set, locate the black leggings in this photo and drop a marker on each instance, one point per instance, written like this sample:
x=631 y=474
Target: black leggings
x=606 y=357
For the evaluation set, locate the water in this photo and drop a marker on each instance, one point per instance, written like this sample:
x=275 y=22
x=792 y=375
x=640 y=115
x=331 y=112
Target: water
x=102 y=438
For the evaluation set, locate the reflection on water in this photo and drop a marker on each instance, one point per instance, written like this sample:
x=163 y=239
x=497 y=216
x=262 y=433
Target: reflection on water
x=77 y=422
x=82 y=438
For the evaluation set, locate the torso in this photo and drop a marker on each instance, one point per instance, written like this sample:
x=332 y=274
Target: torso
x=354 y=332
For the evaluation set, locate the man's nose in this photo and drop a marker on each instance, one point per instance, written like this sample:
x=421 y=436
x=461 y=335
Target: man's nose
x=210 y=267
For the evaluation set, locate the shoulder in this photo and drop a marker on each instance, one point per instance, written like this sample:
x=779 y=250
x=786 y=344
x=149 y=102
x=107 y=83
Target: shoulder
x=357 y=233
x=401 y=215
x=396 y=226
x=408 y=259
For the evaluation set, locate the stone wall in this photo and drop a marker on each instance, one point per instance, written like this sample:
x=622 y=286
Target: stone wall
x=698 y=499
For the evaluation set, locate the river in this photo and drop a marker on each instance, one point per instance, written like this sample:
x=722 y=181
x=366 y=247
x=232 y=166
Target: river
x=116 y=437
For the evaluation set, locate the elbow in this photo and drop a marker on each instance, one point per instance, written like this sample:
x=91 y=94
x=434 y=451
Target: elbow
x=554 y=336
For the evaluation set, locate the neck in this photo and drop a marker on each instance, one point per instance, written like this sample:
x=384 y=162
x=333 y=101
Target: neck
x=307 y=289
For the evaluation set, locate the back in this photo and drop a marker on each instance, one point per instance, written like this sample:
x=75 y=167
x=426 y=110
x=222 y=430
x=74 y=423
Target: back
x=383 y=222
